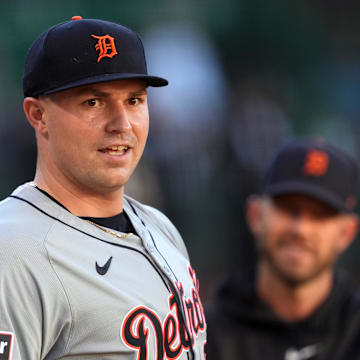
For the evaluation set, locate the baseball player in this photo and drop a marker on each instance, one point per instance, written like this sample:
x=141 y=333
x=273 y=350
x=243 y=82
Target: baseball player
x=87 y=272
x=298 y=305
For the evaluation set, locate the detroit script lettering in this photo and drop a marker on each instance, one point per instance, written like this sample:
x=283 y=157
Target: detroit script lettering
x=170 y=335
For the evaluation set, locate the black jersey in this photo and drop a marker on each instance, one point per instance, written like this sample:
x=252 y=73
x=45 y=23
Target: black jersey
x=242 y=327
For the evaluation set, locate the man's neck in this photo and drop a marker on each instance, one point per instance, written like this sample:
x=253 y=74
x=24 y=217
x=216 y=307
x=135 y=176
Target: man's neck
x=82 y=202
x=292 y=302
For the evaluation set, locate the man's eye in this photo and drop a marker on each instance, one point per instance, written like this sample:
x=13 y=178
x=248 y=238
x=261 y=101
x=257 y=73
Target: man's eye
x=92 y=102
x=286 y=208
x=134 y=101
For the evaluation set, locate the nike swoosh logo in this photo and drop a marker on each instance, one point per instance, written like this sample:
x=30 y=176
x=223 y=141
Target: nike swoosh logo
x=102 y=270
x=305 y=353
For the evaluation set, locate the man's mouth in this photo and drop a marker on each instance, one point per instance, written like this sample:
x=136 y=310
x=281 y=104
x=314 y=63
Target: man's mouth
x=296 y=247
x=115 y=150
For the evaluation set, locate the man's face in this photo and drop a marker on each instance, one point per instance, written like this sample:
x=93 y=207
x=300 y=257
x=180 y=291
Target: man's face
x=299 y=237
x=95 y=134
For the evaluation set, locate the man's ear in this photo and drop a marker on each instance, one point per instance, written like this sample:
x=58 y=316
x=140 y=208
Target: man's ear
x=349 y=231
x=34 y=111
x=255 y=214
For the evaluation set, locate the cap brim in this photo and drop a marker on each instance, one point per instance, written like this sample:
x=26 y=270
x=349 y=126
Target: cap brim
x=154 y=81
x=314 y=191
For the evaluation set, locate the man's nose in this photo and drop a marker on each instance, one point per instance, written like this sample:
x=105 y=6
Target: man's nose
x=119 y=119
x=301 y=223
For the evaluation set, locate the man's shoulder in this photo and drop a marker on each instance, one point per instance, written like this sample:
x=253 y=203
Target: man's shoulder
x=346 y=292
x=151 y=213
x=22 y=219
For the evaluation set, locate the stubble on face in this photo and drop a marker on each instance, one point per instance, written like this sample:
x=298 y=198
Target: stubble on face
x=297 y=256
x=293 y=261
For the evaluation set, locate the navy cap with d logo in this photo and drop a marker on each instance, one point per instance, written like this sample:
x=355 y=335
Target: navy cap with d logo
x=84 y=51
x=313 y=167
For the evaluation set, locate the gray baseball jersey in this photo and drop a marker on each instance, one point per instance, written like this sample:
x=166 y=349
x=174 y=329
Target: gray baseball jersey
x=69 y=290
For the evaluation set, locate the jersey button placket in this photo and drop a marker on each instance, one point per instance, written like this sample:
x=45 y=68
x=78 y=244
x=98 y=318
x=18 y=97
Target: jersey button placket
x=151 y=247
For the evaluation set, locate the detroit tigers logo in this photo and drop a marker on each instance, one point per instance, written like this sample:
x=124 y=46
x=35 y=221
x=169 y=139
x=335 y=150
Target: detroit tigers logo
x=105 y=46
x=142 y=329
x=316 y=163
x=350 y=202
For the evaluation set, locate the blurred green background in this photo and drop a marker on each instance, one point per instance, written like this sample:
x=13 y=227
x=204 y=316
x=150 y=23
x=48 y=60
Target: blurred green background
x=244 y=76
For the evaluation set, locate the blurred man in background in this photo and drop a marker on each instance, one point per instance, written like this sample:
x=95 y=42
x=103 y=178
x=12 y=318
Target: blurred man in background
x=298 y=306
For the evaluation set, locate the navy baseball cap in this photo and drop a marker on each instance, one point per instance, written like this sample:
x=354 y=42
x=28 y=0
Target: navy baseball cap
x=84 y=51
x=313 y=167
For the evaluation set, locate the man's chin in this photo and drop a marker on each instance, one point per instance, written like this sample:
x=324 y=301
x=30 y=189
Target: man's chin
x=106 y=185
x=113 y=179
x=294 y=277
